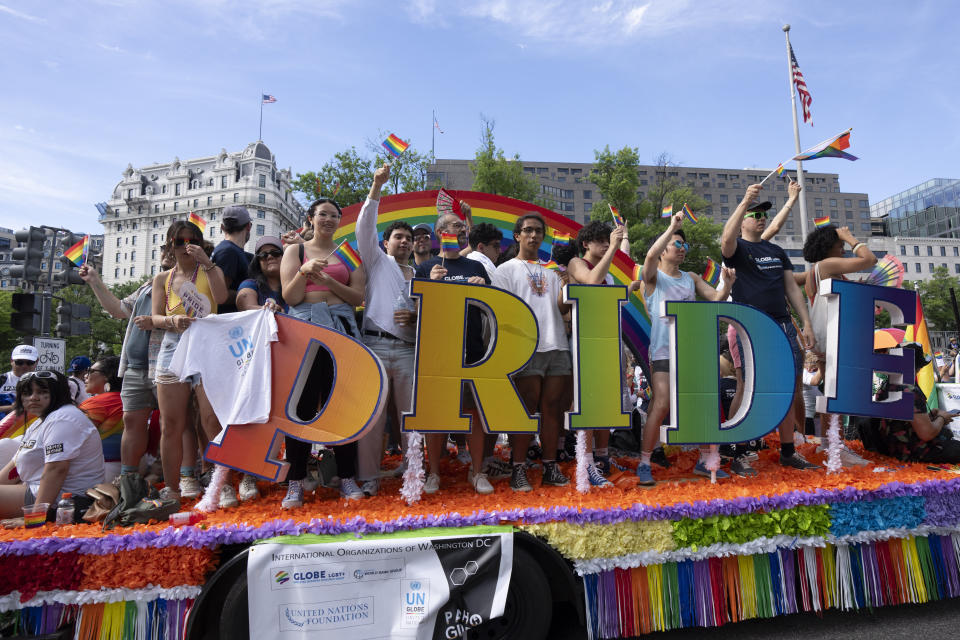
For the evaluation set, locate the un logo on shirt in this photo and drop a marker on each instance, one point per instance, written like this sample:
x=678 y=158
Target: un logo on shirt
x=236 y=332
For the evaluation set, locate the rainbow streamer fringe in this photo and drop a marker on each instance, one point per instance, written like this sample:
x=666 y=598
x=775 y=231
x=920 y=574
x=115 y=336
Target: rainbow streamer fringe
x=158 y=619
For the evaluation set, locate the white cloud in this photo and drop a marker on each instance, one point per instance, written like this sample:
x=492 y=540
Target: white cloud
x=19 y=14
x=110 y=47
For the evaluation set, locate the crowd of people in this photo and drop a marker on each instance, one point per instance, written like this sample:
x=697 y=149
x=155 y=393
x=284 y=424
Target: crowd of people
x=119 y=415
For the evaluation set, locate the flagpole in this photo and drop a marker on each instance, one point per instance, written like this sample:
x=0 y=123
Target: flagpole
x=260 y=133
x=796 y=137
x=433 y=137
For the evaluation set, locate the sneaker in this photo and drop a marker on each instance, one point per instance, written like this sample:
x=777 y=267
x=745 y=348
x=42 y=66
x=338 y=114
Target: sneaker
x=659 y=457
x=518 y=478
x=228 y=497
x=432 y=485
x=596 y=477
x=294 y=497
x=552 y=476
x=797 y=461
x=534 y=452
x=603 y=464
x=645 y=475
x=370 y=487
x=248 y=489
x=563 y=456
x=349 y=489
x=463 y=456
x=397 y=471
x=169 y=494
x=749 y=456
x=741 y=467
x=701 y=470
x=189 y=487
x=497 y=469
x=480 y=482
x=851 y=459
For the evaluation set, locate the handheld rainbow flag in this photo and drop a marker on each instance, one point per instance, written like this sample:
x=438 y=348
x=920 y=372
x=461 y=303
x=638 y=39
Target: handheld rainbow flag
x=711 y=275
x=617 y=218
x=449 y=242
x=780 y=170
x=550 y=264
x=561 y=239
x=831 y=148
x=688 y=213
x=821 y=222
x=197 y=221
x=395 y=145
x=77 y=254
x=348 y=256
x=667 y=211
x=637 y=271
x=336 y=190
x=926 y=379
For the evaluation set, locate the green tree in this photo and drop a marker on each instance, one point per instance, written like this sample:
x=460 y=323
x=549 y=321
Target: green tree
x=8 y=337
x=106 y=332
x=494 y=173
x=615 y=174
x=935 y=297
x=349 y=175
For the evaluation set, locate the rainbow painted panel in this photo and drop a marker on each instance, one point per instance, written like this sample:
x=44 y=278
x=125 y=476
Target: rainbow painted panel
x=502 y=212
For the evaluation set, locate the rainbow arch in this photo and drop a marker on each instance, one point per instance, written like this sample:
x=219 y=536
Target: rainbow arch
x=502 y=212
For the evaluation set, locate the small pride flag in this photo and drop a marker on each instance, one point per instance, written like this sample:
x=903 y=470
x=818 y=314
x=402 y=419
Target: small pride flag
x=831 y=148
x=821 y=222
x=780 y=170
x=711 y=275
x=550 y=264
x=197 y=221
x=348 y=256
x=561 y=239
x=688 y=213
x=449 y=242
x=617 y=218
x=667 y=211
x=395 y=145
x=637 y=270
x=77 y=254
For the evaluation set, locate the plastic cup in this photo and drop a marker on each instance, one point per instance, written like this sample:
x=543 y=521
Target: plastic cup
x=35 y=515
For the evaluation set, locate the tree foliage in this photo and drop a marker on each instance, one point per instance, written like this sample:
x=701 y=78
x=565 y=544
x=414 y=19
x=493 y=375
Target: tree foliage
x=935 y=297
x=494 y=173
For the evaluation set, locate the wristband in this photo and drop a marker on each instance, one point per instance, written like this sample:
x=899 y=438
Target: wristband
x=857 y=246
x=212 y=265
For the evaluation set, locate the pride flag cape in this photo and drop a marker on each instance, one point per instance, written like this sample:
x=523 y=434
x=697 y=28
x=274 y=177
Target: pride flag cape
x=711 y=275
x=77 y=254
x=926 y=378
x=395 y=145
x=449 y=242
x=348 y=256
x=688 y=213
x=831 y=148
x=197 y=221
x=821 y=222
x=667 y=211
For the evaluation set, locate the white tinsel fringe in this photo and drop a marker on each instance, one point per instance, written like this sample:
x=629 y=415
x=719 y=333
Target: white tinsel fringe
x=413 y=476
x=11 y=601
x=211 y=497
x=583 y=480
x=834 y=444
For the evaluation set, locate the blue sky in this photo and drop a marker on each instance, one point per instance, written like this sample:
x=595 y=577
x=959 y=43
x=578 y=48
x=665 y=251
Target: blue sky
x=91 y=86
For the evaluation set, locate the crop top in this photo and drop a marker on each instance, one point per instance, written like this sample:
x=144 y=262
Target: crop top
x=174 y=306
x=338 y=271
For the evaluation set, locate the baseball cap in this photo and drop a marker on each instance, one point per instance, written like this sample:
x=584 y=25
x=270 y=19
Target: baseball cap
x=80 y=363
x=761 y=206
x=25 y=352
x=423 y=226
x=268 y=240
x=237 y=213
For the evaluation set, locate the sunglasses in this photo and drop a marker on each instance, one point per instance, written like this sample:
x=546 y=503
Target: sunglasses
x=89 y=371
x=681 y=245
x=179 y=242
x=43 y=375
x=759 y=215
x=271 y=253
x=23 y=363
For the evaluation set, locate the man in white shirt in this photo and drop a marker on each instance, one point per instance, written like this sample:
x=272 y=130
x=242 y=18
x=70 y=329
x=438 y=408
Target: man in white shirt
x=77 y=371
x=485 y=240
x=23 y=358
x=389 y=322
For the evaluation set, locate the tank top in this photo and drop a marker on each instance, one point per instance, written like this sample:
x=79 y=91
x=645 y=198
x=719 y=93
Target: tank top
x=174 y=306
x=680 y=289
x=338 y=271
x=607 y=279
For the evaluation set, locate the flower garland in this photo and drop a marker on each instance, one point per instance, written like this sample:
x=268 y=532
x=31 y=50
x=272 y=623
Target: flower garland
x=583 y=479
x=211 y=497
x=413 y=477
x=801 y=521
x=834 y=445
x=847 y=518
x=595 y=541
x=13 y=601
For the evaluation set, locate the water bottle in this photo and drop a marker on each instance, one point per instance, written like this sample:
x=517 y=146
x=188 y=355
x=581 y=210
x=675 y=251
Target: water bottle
x=186 y=518
x=402 y=303
x=65 y=509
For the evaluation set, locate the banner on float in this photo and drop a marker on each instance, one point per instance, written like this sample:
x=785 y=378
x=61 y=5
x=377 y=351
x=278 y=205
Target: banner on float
x=428 y=584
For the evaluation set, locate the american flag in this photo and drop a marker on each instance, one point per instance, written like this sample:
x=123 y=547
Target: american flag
x=437 y=125
x=269 y=99
x=805 y=99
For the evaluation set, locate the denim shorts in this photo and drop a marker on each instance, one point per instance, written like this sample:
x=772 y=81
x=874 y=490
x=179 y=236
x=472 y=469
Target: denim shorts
x=167 y=348
x=548 y=363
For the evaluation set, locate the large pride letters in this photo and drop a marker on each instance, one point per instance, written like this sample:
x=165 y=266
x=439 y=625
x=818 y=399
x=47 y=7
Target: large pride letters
x=358 y=389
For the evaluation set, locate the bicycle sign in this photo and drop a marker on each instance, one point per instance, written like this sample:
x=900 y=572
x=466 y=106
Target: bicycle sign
x=53 y=353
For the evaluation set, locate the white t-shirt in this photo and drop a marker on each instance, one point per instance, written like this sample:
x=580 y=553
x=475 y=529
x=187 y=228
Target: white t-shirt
x=518 y=276
x=9 y=385
x=65 y=434
x=78 y=389
x=487 y=263
x=231 y=353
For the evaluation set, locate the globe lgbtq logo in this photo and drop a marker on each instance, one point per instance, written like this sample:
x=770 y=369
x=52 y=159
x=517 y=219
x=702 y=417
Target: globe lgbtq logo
x=282 y=577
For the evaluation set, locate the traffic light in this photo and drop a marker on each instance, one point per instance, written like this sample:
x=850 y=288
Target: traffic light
x=27 y=313
x=69 y=317
x=67 y=274
x=30 y=255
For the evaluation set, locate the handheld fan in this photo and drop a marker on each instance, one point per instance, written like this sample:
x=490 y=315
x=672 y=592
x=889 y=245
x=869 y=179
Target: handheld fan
x=446 y=203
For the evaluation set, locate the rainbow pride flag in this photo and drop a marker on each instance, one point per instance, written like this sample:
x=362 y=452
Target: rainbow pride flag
x=197 y=221
x=449 y=242
x=617 y=218
x=395 y=145
x=348 y=256
x=667 y=211
x=561 y=239
x=711 y=275
x=550 y=264
x=926 y=378
x=77 y=254
x=821 y=222
x=637 y=270
x=780 y=170
x=831 y=148
x=688 y=213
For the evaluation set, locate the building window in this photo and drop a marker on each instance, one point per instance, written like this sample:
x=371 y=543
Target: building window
x=176 y=189
x=864 y=226
x=903 y=250
x=723 y=211
x=588 y=206
x=156 y=208
x=956 y=251
x=261 y=214
x=118 y=242
x=906 y=267
x=163 y=188
x=819 y=213
x=236 y=197
x=917 y=267
x=133 y=255
x=116 y=273
x=195 y=201
x=155 y=224
x=588 y=194
x=930 y=267
x=209 y=200
x=153 y=254
x=789 y=224
x=260 y=230
x=176 y=206
x=263 y=181
x=153 y=270
x=118 y=258
x=833 y=202
x=943 y=251
x=864 y=204
x=916 y=250
x=929 y=251
x=223 y=182
x=155 y=238
x=133 y=240
x=261 y=198
x=818 y=202
x=956 y=268
x=213 y=215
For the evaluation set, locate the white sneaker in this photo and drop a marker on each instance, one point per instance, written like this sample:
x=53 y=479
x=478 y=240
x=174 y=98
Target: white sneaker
x=228 y=497
x=432 y=485
x=169 y=494
x=294 y=497
x=189 y=487
x=248 y=488
x=851 y=459
x=370 y=487
x=480 y=482
x=349 y=489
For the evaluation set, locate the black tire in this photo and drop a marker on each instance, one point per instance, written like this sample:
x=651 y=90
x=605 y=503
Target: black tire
x=529 y=606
